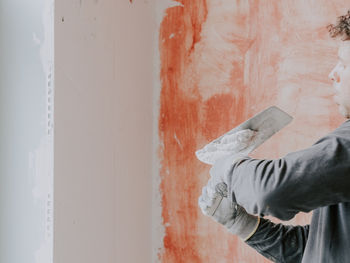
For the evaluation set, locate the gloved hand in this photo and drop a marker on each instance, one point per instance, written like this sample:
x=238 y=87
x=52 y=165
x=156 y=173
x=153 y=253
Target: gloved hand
x=215 y=204
x=214 y=201
x=222 y=171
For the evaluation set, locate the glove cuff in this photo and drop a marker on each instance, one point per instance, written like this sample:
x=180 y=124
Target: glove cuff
x=245 y=225
x=253 y=231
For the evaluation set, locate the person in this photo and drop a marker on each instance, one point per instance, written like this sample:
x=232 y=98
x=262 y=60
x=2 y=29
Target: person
x=313 y=179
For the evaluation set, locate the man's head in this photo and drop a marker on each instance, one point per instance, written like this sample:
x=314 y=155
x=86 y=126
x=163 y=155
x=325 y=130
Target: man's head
x=340 y=75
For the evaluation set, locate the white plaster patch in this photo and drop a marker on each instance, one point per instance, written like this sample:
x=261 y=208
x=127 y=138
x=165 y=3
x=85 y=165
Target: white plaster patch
x=41 y=160
x=36 y=39
x=229 y=144
x=41 y=166
x=178 y=141
x=44 y=253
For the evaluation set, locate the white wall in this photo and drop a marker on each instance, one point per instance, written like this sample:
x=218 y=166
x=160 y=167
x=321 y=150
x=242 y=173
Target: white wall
x=26 y=131
x=103 y=131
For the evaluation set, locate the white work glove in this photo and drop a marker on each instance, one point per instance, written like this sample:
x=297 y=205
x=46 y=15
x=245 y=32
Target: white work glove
x=225 y=153
x=221 y=171
x=215 y=204
x=227 y=145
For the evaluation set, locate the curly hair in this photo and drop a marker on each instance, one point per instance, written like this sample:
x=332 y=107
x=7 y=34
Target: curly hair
x=341 y=28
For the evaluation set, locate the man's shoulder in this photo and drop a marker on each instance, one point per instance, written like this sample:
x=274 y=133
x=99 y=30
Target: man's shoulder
x=339 y=135
x=342 y=132
x=345 y=126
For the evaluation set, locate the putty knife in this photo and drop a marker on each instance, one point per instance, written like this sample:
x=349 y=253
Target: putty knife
x=265 y=123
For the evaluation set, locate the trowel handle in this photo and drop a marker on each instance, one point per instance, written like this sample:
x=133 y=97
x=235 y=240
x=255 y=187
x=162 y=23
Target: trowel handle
x=221 y=189
x=215 y=206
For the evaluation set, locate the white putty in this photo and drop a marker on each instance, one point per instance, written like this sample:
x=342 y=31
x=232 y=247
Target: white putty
x=178 y=141
x=227 y=145
x=44 y=253
x=41 y=160
x=36 y=40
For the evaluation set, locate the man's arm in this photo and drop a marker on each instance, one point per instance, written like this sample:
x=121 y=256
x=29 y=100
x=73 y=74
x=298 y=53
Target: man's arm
x=301 y=181
x=280 y=243
x=277 y=242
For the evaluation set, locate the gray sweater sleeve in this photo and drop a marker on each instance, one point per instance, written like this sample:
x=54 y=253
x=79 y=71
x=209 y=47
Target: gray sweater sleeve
x=280 y=243
x=301 y=181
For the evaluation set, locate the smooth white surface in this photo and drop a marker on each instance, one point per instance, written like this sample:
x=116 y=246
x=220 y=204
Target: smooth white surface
x=103 y=131
x=26 y=145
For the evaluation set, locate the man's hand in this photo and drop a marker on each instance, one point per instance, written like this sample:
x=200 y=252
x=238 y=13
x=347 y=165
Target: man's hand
x=215 y=204
x=215 y=201
x=221 y=171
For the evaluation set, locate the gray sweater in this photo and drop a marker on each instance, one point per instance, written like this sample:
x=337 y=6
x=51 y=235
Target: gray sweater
x=314 y=179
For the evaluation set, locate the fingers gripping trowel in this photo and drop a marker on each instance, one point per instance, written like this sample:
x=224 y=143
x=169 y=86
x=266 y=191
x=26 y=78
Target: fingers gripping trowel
x=265 y=124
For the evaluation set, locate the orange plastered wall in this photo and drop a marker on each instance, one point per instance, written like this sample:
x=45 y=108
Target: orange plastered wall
x=222 y=61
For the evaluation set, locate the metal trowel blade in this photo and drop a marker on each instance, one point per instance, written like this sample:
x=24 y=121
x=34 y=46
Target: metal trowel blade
x=265 y=123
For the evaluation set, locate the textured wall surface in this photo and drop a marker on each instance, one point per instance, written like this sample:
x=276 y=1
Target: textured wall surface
x=222 y=62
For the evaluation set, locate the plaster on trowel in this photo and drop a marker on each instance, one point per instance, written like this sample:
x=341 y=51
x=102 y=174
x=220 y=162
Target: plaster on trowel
x=265 y=124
